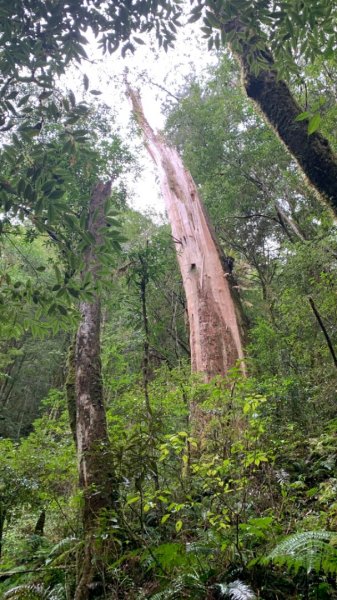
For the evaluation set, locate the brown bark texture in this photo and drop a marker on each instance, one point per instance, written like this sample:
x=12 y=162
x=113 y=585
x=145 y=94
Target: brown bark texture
x=70 y=389
x=279 y=107
x=2 y=525
x=40 y=523
x=215 y=333
x=96 y=473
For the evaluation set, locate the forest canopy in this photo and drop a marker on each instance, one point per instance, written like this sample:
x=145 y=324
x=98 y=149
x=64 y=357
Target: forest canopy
x=168 y=416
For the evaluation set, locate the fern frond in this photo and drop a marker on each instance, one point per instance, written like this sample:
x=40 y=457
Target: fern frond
x=27 y=592
x=63 y=545
x=62 y=549
x=188 y=581
x=57 y=593
x=311 y=550
x=237 y=590
x=33 y=591
x=197 y=548
x=166 y=594
x=171 y=592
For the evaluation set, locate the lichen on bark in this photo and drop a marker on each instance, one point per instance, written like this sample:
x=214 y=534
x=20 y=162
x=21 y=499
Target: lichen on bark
x=95 y=461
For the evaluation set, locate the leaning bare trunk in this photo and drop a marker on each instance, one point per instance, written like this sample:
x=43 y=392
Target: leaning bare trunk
x=96 y=474
x=215 y=333
x=276 y=103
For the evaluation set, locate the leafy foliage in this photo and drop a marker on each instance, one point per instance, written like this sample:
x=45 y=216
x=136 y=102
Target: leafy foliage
x=35 y=592
x=291 y=28
x=310 y=550
x=214 y=475
x=237 y=590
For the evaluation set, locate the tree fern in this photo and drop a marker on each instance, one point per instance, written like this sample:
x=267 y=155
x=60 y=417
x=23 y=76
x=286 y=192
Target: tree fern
x=311 y=550
x=237 y=590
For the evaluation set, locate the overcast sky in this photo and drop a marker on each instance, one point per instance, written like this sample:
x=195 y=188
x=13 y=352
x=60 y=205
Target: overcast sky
x=149 y=64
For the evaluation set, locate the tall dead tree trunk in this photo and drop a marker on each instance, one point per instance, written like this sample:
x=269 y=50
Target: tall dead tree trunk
x=96 y=474
x=215 y=327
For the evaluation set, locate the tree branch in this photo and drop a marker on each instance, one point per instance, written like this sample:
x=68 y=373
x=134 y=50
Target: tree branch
x=325 y=333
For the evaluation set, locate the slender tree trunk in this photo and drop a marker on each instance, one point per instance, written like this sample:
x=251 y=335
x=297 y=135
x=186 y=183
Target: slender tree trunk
x=293 y=226
x=40 y=523
x=215 y=329
x=70 y=389
x=146 y=346
x=2 y=525
x=287 y=222
x=324 y=330
x=277 y=104
x=96 y=474
x=11 y=377
x=146 y=370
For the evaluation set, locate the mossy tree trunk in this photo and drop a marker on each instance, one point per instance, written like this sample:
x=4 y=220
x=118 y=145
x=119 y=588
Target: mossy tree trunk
x=96 y=473
x=279 y=107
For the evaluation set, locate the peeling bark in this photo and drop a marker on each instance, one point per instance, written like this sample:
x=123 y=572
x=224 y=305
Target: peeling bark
x=215 y=332
x=96 y=473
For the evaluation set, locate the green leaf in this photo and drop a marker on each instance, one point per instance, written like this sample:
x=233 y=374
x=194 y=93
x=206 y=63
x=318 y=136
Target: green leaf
x=302 y=116
x=75 y=293
x=132 y=500
x=165 y=518
x=56 y=194
x=178 y=525
x=314 y=123
x=86 y=82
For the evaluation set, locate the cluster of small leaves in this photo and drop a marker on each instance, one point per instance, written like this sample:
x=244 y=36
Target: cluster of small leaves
x=223 y=22
x=313 y=116
x=306 y=29
x=43 y=37
x=292 y=29
x=49 y=167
